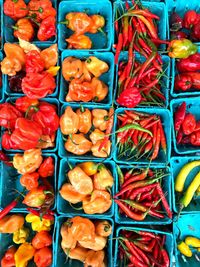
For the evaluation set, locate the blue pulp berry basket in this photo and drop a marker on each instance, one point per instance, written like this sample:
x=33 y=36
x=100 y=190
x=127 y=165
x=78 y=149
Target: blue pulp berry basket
x=166 y=185
x=8 y=31
x=8 y=92
x=107 y=77
x=100 y=41
x=10 y=184
x=51 y=101
x=63 y=153
x=2 y=77
x=6 y=240
x=186 y=225
x=193 y=105
x=156 y=8
x=177 y=163
x=162 y=158
x=60 y=256
x=168 y=243
x=2 y=25
x=165 y=82
x=64 y=207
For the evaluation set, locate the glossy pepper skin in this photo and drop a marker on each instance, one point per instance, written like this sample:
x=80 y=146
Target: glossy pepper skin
x=103 y=179
x=47 y=168
x=69 y=194
x=96 y=66
x=24 y=253
x=195 y=76
x=130 y=97
x=190 y=19
x=24 y=103
x=6 y=141
x=39 y=224
x=50 y=56
x=189 y=124
x=195 y=138
x=34 y=62
x=78 y=144
x=184 y=249
x=47 y=29
x=41 y=9
x=85 y=120
x=80 y=91
x=192 y=63
x=11 y=223
x=78 y=22
x=79 y=42
x=69 y=122
x=183 y=82
x=42 y=239
x=24 y=30
x=8 y=258
x=20 y=236
x=196 y=31
x=30 y=180
x=15 y=9
x=181 y=48
x=8 y=115
x=179 y=116
x=98 y=22
x=35 y=197
x=43 y=257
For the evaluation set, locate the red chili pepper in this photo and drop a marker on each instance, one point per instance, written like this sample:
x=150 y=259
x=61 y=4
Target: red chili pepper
x=162 y=137
x=131 y=249
x=125 y=25
x=178 y=35
x=182 y=82
x=157 y=145
x=190 y=19
x=119 y=47
x=47 y=216
x=5 y=158
x=145 y=65
x=179 y=116
x=130 y=97
x=135 y=178
x=179 y=136
x=165 y=256
x=189 y=124
x=9 y=207
x=142 y=190
x=164 y=200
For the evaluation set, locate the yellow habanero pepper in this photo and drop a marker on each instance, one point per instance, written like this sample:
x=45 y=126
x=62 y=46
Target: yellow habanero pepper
x=24 y=254
x=184 y=249
x=182 y=48
x=103 y=179
x=89 y=167
x=69 y=122
x=96 y=66
x=21 y=235
x=192 y=241
x=96 y=136
x=53 y=70
x=39 y=224
x=180 y=179
x=100 y=119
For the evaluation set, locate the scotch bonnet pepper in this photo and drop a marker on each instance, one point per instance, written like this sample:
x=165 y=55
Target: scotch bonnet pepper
x=15 y=9
x=181 y=48
x=24 y=29
x=192 y=63
x=41 y=9
x=39 y=224
x=8 y=258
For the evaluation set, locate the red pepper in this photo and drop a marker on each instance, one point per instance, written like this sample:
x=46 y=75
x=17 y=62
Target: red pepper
x=43 y=257
x=42 y=239
x=47 y=29
x=195 y=76
x=179 y=136
x=192 y=63
x=8 y=115
x=38 y=85
x=119 y=47
x=195 y=138
x=190 y=19
x=8 y=259
x=196 y=32
x=41 y=9
x=47 y=167
x=15 y=9
x=25 y=103
x=178 y=35
x=189 y=124
x=5 y=158
x=130 y=97
x=6 y=141
x=34 y=62
x=183 y=82
x=179 y=116
x=30 y=180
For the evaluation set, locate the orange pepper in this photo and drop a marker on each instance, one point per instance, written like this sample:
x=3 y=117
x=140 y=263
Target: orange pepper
x=72 y=68
x=98 y=22
x=103 y=228
x=30 y=180
x=82 y=229
x=96 y=66
x=104 y=152
x=85 y=120
x=100 y=119
x=43 y=257
x=11 y=223
x=103 y=179
x=15 y=51
x=78 y=253
x=35 y=198
x=46 y=141
x=79 y=42
x=97 y=244
x=68 y=240
x=69 y=193
x=89 y=167
x=10 y=66
x=99 y=202
x=80 y=91
x=78 y=144
x=78 y=22
x=42 y=239
x=69 y=122
x=100 y=90
x=94 y=258
x=50 y=56
x=96 y=136
x=23 y=29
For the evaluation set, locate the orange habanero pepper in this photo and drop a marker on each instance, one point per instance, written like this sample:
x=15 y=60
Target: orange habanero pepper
x=100 y=90
x=69 y=194
x=42 y=239
x=68 y=239
x=79 y=42
x=50 y=56
x=78 y=22
x=103 y=228
x=100 y=119
x=69 y=122
x=85 y=120
x=94 y=258
x=23 y=29
x=78 y=144
x=102 y=153
x=11 y=223
x=30 y=180
x=103 y=179
x=98 y=22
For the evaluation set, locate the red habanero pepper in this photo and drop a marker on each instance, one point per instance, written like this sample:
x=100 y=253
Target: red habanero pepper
x=43 y=257
x=30 y=180
x=191 y=63
x=179 y=116
x=179 y=136
x=34 y=62
x=41 y=9
x=130 y=97
x=15 y=9
x=189 y=124
x=8 y=259
x=47 y=29
x=190 y=19
x=47 y=167
x=196 y=32
x=183 y=82
x=42 y=239
x=8 y=115
x=6 y=141
x=197 y=128
x=178 y=35
x=25 y=103
x=195 y=76
x=119 y=47
x=195 y=138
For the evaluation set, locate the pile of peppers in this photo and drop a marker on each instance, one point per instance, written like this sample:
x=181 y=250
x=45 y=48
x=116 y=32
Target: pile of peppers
x=85 y=240
x=140 y=136
x=83 y=81
x=80 y=23
x=35 y=19
x=27 y=248
x=188 y=246
x=142 y=248
x=186 y=126
x=141 y=194
x=87 y=131
x=92 y=187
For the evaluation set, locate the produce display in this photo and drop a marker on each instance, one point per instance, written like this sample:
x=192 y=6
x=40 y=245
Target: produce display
x=99 y=146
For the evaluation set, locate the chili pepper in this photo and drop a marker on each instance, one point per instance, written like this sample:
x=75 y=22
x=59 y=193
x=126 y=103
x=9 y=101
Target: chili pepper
x=195 y=76
x=78 y=22
x=192 y=241
x=125 y=30
x=11 y=223
x=30 y=181
x=47 y=167
x=25 y=104
x=195 y=32
x=15 y=9
x=134 y=178
x=35 y=197
x=96 y=66
x=141 y=253
x=119 y=47
x=131 y=248
x=130 y=97
x=176 y=22
x=133 y=126
x=46 y=216
x=145 y=65
x=47 y=29
x=9 y=207
x=181 y=48
x=43 y=257
x=188 y=124
x=179 y=116
x=40 y=10
x=178 y=35
x=164 y=200
x=50 y=56
x=179 y=136
x=85 y=120
x=189 y=64
x=24 y=253
x=150 y=26
x=34 y=62
x=190 y=19
x=183 y=82
x=79 y=42
x=8 y=115
x=165 y=257
x=23 y=29
x=184 y=249
x=8 y=258
x=42 y=239
x=140 y=190
x=157 y=145
x=103 y=179
x=162 y=137
x=103 y=228
x=80 y=91
x=195 y=138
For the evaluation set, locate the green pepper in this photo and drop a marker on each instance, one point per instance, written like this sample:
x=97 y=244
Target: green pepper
x=182 y=48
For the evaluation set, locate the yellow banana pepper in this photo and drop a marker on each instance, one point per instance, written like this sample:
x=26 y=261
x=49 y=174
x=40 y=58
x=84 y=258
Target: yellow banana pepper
x=192 y=241
x=184 y=249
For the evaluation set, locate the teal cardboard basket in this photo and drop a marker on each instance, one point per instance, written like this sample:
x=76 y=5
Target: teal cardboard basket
x=177 y=163
x=107 y=78
x=162 y=159
x=64 y=206
x=186 y=225
x=61 y=258
x=2 y=82
x=166 y=185
x=193 y=105
x=168 y=243
x=100 y=41
x=10 y=184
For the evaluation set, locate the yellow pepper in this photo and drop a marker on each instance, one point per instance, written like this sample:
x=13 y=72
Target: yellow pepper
x=184 y=249
x=28 y=162
x=103 y=179
x=68 y=240
x=69 y=122
x=192 y=241
x=53 y=70
x=24 y=254
x=96 y=66
x=39 y=224
x=96 y=136
x=182 y=48
x=21 y=235
x=89 y=167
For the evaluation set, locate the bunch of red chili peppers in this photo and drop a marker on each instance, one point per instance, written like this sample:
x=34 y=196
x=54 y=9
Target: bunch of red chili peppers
x=186 y=126
x=36 y=16
x=141 y=194
x=29 y=124
x=139 y=248
x=140 y=135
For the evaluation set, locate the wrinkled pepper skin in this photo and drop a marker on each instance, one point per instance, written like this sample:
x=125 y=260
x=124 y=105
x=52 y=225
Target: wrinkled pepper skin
x=30 y=180
x=69 y=122
x=100 y=119
x=34 y=62
x=47 y=29
x=41 y=9
x=42 y=239
x=8 y=115
x=50 y=56
x=96 y=66
x=190 y=19
x=85 y=120
x=103 y=179
x=181 y=48
x=15 y=9
x=39 y=224
x=35 y=198
x=69 y=193
x=23 y=254
x=20 y=236
x=94 y=258
x=8 y=258
x=43 y=257
x=189 y=124
x=100 y=90
x=11 y=223
x=78 y=22
x=24 y=104
x=47 y=168
x=24 y=30
x=80 y=91
x=183 y=82
x=79 y=42
x=195 y=138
